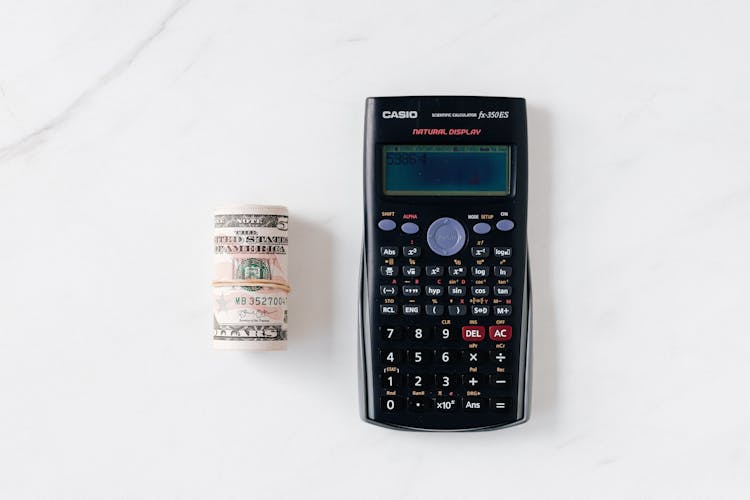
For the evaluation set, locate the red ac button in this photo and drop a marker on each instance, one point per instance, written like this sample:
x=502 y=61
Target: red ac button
x=472 y=333
x=502 y=333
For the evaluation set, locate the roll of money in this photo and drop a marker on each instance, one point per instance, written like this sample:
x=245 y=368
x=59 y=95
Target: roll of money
x=250 y=288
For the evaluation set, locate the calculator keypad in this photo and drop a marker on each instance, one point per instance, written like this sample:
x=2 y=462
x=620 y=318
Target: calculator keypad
x=446 y=336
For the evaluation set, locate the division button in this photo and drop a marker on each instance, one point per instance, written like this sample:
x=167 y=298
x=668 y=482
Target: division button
x=499 y=357
x=472 y=333
x=388 y=309
x=457 y=310
x=503 y=310
x=501 y=404
x=420 y=404
x=503 y=252
x=387 y=225
x=480 y=310
x=446 y=236
x=410 y=309
x=388 y=290
x=388 y=251
x=434 y=271
x=409 y=228
x=446 y=404
x=481 y=228
x=503 y=290
x=391 y=403
x=412 y=251
x=480 y=252
x=505 y=224
x=474 y=404
x=503 y=271
x=434 y=309
x=501 y=333
x=389 y=271
x=410 y=290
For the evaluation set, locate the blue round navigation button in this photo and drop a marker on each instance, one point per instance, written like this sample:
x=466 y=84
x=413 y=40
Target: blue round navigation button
x=409 y=228
x=387 y=225
x=481 y=228
x=446 y=236
x=505 y=224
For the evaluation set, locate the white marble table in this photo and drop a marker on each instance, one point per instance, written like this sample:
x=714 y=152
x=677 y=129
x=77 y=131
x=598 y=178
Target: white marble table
x=123 y=124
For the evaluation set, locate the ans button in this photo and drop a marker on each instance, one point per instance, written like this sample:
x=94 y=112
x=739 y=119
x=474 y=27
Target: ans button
x=481 y=228
x=505 y=225
x=387 y=225
x=409 y=228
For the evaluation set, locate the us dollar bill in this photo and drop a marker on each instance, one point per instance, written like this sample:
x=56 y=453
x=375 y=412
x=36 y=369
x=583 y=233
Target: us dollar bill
x=250 y=242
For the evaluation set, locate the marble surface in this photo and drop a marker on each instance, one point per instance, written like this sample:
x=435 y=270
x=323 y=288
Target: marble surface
x=123 y=124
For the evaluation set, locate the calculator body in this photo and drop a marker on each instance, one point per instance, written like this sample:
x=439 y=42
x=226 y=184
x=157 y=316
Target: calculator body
x=444 y=313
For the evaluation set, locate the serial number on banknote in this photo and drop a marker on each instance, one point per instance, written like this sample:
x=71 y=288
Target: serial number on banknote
x=261 y=301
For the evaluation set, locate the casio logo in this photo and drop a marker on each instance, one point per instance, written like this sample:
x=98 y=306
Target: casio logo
x=399 y=114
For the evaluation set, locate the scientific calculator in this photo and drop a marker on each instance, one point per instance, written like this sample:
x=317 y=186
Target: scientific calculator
x=444 y=313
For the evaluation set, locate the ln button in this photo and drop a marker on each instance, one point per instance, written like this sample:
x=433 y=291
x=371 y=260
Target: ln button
x=501 y=333
x=472 y=333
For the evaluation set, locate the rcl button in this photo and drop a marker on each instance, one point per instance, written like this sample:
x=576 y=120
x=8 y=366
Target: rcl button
x=472 y=333
x=501 y=333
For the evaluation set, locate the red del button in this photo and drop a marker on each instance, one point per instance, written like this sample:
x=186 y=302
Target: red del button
x=472 y=333
x=503 y=333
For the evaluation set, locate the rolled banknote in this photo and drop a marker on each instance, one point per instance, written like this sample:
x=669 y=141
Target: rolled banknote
x=250 y=287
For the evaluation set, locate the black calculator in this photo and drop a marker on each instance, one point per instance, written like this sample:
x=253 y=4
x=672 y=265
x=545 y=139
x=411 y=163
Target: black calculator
x=444 y=292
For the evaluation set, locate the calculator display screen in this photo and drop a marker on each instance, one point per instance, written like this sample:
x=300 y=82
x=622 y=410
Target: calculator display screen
x=422 y=170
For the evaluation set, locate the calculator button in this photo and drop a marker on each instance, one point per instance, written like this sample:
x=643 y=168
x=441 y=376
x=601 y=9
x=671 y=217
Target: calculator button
x=480 y=252
x=499 y=357
x=410 y=309
x=457 y=271
x=388 y=251
x=391 y=333
x=503 y=291
x=434 y=310
x=480 y=291
x=481 y=228
x=503 y=252
x=446 y=236
x=474 y=404
x=501 y=333
x=419 y=381
x=391 y=403
x=389 y=271
x=388 y=290
x=433 y=291
x=456 y=291
x=419 y=358
x=412 y=251
x=434 y=270
x=420 y=403
x=447 y=380
x=390 y=380
x=474 y=357
x=445 y=333
x=472 y=333
x=409 y=228
x=480 y=310
x=411 y=271
x=387 y=225
x=388 y=309
x=480 y=271
x=505 y=224
x=501 y=404
x=500 y=380
x=457 y=310
x=503 y=271
x=503 y=310
x=446 y=404
x=418 y=333
x=411 y=290
x=390 y=357
x=473 y=380
x=446 y=357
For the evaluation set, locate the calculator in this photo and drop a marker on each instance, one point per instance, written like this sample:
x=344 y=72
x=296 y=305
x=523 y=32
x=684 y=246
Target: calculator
x=445 y=297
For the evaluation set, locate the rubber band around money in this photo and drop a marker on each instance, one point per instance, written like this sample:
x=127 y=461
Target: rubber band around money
x=254 y=282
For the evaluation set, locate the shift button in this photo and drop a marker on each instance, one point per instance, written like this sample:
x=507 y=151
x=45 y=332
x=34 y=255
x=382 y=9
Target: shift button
x=387 y=225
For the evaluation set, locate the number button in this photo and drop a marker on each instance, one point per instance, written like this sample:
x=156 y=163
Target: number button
x=433 y=291
x=434 y=270
x=480 y=271
x=457 y=291
x=457 y=271
x=445 y=333
x=391 y=333
x=419 y=358
x=447 y=380
x=391 y=380
x=389 y=271
x=411 y=271
x=419 y=333
x=391 y=403
x=410 y=290
x=412 y=251
x=419 y=381
x=503 y=271
x=390 y=357
x=447 y=357
x=388 y=251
